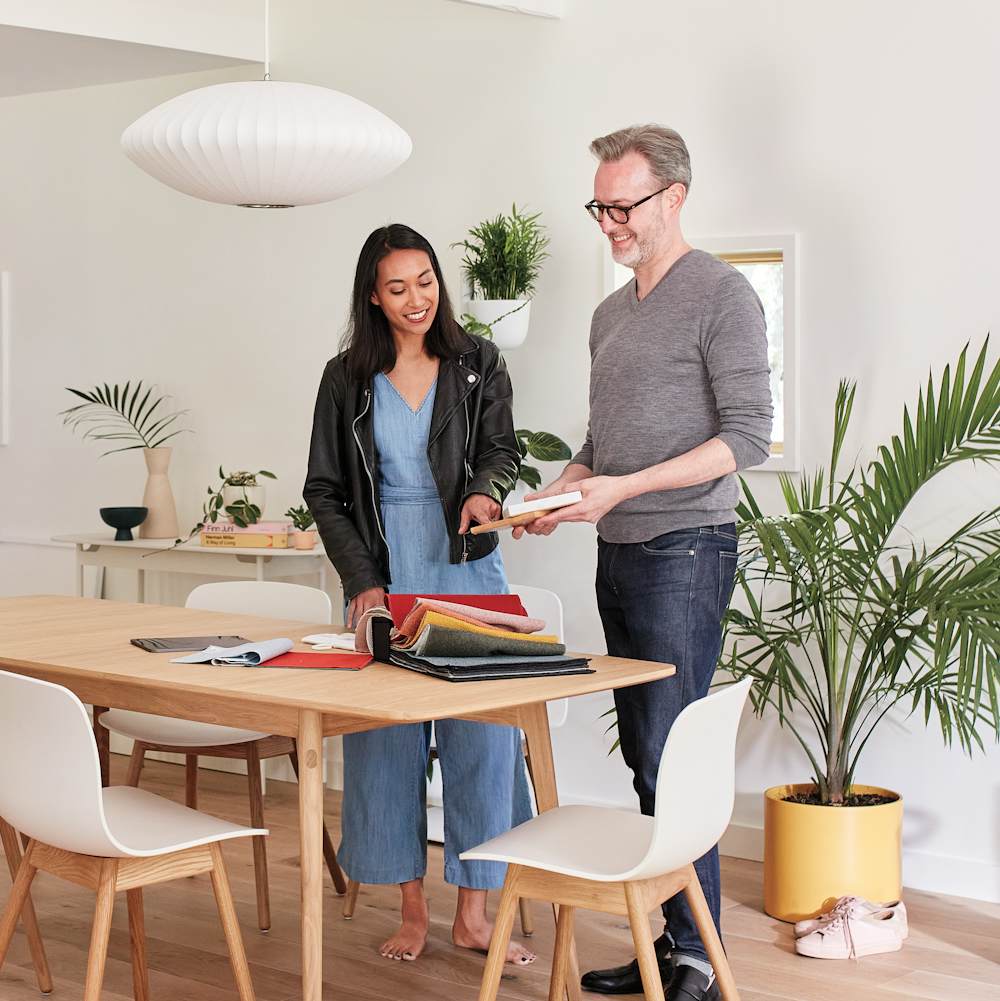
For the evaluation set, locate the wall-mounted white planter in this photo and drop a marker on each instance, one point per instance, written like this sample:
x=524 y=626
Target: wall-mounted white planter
x=511 y=331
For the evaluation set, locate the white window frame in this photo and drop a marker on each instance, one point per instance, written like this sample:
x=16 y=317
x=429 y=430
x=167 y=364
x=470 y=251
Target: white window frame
x=788 y=460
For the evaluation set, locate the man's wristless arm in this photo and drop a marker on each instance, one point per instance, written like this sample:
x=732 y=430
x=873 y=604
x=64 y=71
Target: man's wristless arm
x=705 y=462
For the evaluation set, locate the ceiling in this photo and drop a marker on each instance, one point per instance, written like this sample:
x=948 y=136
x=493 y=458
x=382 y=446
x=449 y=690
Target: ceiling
x=33 y=60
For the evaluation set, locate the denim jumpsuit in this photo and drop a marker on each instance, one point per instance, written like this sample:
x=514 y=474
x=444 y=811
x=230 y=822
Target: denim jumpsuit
x=384 y=826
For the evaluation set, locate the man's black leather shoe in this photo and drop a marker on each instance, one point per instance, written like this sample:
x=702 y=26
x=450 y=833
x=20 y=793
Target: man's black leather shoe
x=690 y=984
x=626 y=979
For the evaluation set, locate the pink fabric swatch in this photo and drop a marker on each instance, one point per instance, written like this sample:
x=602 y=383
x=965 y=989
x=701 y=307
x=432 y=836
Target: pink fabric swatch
x=466 y=613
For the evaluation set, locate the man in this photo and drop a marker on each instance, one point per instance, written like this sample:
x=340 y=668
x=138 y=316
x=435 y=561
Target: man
x=679 y=400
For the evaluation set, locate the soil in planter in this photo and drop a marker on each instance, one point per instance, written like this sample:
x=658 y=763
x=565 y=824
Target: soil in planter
x=852 y=799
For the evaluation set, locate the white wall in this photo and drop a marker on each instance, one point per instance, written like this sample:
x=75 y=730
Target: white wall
x=865 y=130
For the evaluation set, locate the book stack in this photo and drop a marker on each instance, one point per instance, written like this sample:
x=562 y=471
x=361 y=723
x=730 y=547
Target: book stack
x=263 y=535
x=454 y=639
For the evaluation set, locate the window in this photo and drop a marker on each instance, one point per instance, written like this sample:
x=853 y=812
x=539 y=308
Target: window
x=768 y=262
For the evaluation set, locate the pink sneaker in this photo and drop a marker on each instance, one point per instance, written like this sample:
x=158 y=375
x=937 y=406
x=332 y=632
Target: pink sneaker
x=850 y=936
x=856 y=907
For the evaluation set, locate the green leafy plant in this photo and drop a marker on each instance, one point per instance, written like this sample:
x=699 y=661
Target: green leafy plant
x=129 y=413
x=301 y=517
x=503 y=256
x=844 y=622
x=243 y=511
x=473 y=326
x=543 y=446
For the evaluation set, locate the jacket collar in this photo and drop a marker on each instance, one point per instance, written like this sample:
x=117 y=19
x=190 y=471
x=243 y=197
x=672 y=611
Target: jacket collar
x=457 y=378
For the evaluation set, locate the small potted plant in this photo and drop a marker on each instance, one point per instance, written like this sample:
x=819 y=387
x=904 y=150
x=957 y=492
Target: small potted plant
x=304 y=536
x=503 y=258
x=242 y=489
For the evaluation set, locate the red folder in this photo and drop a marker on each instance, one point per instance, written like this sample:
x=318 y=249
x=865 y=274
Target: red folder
x=400 y=604
x=336 y=661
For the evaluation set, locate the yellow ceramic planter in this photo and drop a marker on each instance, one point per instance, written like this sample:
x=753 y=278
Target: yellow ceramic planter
x=813 y=854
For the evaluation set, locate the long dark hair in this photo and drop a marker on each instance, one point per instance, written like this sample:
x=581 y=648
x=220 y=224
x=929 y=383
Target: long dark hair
x=368 y=340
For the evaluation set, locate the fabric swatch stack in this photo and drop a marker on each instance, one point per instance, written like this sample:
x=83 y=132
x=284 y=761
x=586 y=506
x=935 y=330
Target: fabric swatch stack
x=462 y=642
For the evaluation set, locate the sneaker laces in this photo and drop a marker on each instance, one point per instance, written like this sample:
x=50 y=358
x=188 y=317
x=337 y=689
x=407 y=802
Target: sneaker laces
x=841 y=922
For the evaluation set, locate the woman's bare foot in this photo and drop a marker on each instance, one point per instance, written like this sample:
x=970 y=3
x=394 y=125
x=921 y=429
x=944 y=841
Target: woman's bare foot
x=408 y=943
x=472 y=929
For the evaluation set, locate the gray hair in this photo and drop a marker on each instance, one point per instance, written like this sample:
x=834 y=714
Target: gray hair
x=663 y=148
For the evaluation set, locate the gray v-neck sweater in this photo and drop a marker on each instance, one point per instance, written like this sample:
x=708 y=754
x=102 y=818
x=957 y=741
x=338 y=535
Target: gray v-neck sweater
x=686 y=364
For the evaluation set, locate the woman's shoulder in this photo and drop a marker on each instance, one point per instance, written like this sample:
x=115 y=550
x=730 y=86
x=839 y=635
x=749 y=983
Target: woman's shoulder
x=478 y=352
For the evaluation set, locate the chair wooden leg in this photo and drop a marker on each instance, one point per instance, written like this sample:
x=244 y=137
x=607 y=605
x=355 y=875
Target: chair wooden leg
x=135 y=764
x=561 y=952
x=15 y=903
x=503 y=925
x=329 y=852
x=191 y=781
x=137 y=941
x=638 y=919
x=710 y=937
x=230 y=926
x=351 y=898
x=101 y=931
x=12 y=849
x=259 y=843
x=527 y=921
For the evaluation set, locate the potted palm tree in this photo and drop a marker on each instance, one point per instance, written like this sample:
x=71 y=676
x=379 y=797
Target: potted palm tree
x=502 y=261
x=843 y=621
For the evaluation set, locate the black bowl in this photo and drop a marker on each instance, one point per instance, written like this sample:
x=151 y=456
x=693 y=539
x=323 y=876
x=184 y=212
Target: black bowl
x=124 y=519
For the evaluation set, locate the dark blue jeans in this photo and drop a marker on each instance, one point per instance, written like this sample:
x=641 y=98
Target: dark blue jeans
x=663 y=600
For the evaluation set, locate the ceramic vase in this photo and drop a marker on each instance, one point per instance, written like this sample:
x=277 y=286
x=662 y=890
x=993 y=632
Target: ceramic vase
x=158 y=498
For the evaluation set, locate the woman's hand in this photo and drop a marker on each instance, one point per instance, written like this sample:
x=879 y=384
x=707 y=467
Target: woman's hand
x=480 y=509
x=360 y=604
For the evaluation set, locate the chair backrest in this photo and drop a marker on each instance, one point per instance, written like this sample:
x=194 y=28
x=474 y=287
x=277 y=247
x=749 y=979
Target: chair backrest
x=696 y=784
x=540 y=603
x=272 y=598
x=50 y=776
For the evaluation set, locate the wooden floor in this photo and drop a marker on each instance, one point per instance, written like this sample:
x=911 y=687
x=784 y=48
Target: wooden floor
x=953 y=953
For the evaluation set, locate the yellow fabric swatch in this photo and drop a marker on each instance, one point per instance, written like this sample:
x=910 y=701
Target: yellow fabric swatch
x=440 y=619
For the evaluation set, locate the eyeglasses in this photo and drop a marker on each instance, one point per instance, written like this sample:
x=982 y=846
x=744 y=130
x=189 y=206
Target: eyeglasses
x=618 y=213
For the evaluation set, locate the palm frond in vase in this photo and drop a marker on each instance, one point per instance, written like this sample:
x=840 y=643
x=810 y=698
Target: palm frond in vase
x=129 y=413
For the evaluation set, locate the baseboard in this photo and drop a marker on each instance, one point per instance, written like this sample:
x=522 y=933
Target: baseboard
x=959 y=877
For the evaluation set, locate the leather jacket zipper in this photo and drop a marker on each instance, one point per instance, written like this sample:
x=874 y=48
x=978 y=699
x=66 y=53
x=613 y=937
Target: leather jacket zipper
x=371 y=479
x=468 y=475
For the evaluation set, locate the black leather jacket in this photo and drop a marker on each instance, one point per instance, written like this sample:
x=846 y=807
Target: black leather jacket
x=471 y=448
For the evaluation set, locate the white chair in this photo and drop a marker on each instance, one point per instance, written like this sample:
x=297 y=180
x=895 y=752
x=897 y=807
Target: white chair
x=626 y=863
x=276 y=600
x=106 y=839
x=539 y=603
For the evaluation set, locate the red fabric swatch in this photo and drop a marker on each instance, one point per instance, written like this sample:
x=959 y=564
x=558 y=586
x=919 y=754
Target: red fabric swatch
x=337 y=661
x=400 y=604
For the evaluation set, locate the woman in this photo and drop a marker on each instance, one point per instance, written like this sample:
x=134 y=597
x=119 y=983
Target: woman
x=413 y=442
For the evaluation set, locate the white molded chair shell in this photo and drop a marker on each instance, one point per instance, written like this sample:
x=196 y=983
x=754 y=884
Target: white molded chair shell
x=275 y=599
x=50 y=784
x=695 y=790
x=272 y=598
x=541 y=603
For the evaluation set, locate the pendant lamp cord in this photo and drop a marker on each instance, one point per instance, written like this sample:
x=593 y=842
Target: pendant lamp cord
x=267 y=39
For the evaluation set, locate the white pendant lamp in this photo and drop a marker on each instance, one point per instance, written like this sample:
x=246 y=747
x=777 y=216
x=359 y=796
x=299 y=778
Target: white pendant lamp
x=265 y=143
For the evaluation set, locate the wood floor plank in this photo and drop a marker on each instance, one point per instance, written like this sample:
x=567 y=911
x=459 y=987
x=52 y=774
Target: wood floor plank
x=953 y=951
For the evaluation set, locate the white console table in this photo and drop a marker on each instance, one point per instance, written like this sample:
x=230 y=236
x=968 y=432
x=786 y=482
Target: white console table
x=160 y=556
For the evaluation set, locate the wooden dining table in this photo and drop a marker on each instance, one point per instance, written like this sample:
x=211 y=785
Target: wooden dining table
x=83 y=644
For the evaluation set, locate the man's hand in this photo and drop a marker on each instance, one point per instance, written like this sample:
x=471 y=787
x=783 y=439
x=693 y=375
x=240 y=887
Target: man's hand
x=600 y=495
x=361 y=602
x=480 y=509
x=555 y=487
